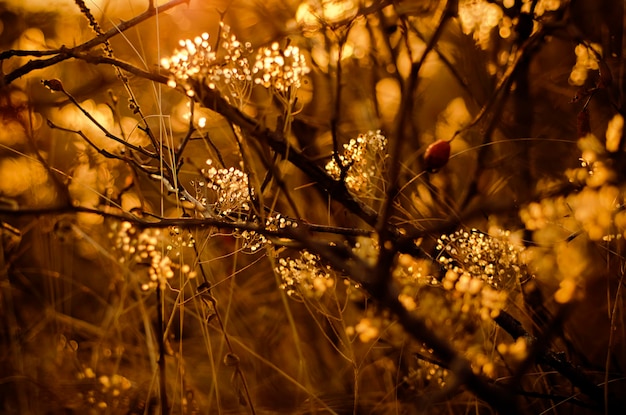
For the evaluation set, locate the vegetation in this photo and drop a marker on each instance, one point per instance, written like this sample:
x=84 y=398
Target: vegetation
x=316 y=206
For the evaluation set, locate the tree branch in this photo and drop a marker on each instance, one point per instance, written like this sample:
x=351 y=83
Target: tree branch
x=65 y=53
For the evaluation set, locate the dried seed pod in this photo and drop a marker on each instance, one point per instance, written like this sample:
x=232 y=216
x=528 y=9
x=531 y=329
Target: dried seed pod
x=437 y=155
x=53 y=85
x=231 y=359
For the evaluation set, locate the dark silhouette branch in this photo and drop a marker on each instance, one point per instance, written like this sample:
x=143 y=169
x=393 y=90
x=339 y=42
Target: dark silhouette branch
x=148 y=220
x=65 y=53
x=344 y=259
x=556 y=361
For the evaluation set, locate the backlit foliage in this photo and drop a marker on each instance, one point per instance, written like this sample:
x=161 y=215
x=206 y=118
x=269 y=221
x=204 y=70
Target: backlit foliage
x=317 y=206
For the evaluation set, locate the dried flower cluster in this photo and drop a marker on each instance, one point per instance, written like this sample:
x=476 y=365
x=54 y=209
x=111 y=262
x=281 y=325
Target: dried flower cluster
x=367 y=329
x=304 y=276
x=586 y=60
x=149 y=247
x=480 y=17
x=312 y=14
x=227 y=191
x=477 y=296
x=457 y=301
x=253 y=241
x=367 y=249
x=280 y=70
x=597 y=208
x=103 y=393
x=593 y=213
x=410 y=271
x=225 y=68
x=426 y=374
x=478 y=257
x=361 y=164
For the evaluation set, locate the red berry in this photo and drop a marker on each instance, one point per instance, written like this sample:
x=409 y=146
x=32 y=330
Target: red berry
x=437 y=155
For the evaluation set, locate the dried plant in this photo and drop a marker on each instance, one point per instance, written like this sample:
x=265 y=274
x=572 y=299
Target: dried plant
x=312 y=207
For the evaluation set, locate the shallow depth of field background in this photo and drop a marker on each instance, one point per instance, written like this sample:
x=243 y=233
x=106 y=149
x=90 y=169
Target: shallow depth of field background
x=208 y=240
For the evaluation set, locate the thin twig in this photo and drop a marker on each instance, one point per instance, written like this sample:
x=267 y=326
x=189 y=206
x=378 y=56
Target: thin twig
x=161 y=363
x=344 y=259
x=183 y=222
x=106 y=132
x=63 y=55
x=334 y=122
x=387 y=239
x=204 y=290
x=556 y=361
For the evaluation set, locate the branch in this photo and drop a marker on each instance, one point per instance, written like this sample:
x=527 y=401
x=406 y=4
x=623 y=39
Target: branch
x=65 y=53
x=163 y=222
x=56 y=86
x=336 y=189
x=388 y=251
x=276 y=140
x=342 y=258
x=556 y=361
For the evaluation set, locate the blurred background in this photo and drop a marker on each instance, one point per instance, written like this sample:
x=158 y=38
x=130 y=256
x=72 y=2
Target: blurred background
x=509 y=82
